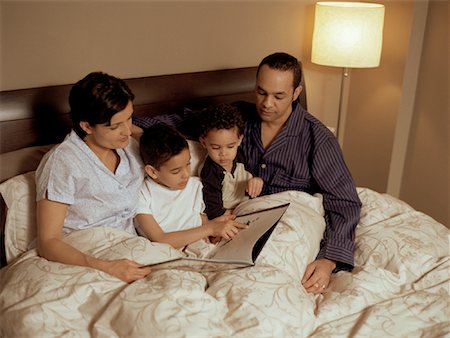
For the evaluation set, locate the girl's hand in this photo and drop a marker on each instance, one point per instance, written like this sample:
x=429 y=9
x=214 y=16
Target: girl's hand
x=254 y=187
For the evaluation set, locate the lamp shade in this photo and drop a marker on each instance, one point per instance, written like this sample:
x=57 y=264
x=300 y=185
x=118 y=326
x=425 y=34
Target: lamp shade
x=348 y=34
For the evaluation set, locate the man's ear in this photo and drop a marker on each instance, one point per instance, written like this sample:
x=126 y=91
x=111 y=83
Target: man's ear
x=297 y=92
x=86 y=127
x=151 y=171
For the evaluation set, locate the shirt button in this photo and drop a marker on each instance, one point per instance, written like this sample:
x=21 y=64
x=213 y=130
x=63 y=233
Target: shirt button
x=263 y=166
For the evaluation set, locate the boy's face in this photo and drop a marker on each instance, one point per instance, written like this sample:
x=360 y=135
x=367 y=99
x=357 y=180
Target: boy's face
x=222 y=146
x=174 y=173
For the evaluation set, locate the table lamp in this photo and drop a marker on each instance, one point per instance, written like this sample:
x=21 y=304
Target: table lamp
x=347 y=35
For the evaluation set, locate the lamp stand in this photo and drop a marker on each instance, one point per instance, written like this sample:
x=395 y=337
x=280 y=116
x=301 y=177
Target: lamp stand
x=343 y=100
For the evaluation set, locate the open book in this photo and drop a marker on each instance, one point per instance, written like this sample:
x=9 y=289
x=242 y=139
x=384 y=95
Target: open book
x=239 y=252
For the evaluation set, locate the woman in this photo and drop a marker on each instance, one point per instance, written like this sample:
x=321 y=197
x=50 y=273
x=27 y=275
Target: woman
x=93 y=177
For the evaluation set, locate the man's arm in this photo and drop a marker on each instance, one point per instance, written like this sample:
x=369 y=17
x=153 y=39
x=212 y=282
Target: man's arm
x=342 y=208
x=341 y=203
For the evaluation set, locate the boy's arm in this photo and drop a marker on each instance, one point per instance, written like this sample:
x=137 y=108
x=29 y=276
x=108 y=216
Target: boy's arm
x=212 y=190
x=177 y=239
x=224 y=227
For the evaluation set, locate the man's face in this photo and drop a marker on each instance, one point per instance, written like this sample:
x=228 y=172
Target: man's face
x=274 y=94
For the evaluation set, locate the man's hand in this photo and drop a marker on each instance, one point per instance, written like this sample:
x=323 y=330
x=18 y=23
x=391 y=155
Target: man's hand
x=317 y=275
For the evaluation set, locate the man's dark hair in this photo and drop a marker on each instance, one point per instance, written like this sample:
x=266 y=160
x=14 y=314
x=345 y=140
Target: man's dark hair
x=96 y=99
x=284 y=62
x=159 y=143
x=220 y=116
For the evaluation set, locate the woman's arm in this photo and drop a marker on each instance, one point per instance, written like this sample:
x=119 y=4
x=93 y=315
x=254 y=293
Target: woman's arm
x=50 y=220
x=223 y=226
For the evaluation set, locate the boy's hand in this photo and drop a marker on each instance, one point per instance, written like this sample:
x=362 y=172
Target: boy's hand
x=226 y=227
x=254 y=187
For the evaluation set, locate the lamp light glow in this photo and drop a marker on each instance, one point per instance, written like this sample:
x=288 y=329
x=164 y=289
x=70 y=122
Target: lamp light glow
x=348 y=34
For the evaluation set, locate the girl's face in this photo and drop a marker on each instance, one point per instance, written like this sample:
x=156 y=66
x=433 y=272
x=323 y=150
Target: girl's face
x=110 y=136
x=174 y=173
x=222 y=146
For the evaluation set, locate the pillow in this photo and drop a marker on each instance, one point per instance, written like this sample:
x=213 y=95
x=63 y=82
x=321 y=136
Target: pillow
x=21 y=161
x=198 y=154
x=19 y=194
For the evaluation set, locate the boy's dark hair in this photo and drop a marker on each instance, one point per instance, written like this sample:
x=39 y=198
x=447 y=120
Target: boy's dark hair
x=96 y=99
x=159 y=143
x=284 y=62
x=221 y=116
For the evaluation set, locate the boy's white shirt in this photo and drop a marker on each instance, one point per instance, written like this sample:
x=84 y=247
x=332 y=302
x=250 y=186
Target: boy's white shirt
x=173 y=209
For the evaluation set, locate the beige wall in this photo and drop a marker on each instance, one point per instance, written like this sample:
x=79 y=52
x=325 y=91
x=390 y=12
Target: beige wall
x=374 y=100
x=426 y=181
x=58 y=42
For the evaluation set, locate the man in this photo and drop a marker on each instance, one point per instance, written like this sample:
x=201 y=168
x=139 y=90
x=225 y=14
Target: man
x=291 y=150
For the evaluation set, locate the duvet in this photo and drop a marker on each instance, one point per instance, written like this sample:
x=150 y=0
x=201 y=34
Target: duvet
x=399 y=287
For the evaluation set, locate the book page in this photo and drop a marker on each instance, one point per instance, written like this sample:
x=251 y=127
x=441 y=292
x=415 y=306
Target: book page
x=239 y=252
x=198 y=264
x=241 y=246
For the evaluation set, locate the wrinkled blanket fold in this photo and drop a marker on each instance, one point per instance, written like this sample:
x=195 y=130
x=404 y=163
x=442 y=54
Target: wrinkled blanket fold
x=399 y=287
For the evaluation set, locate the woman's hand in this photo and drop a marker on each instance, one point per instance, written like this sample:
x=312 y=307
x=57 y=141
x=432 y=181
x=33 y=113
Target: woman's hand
x=124 y=269
x=254 y=187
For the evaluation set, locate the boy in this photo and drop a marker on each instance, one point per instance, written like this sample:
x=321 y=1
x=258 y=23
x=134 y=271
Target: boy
x=225 y=180
x=170 y=207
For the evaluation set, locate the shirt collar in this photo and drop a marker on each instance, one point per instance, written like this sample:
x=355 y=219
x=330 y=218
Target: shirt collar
x=296 y=119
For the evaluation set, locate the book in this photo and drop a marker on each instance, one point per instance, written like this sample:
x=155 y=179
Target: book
x=240 y=251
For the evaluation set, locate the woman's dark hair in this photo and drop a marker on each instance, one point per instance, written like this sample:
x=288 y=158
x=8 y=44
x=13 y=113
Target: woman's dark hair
x=284 y=62
x=159 y=143
x=220 y=116
x=96 y=99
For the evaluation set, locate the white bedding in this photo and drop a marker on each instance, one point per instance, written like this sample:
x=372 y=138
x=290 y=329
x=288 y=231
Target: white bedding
x=399 y=287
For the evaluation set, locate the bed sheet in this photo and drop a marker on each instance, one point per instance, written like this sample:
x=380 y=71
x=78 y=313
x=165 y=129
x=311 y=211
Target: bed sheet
x=399 y=287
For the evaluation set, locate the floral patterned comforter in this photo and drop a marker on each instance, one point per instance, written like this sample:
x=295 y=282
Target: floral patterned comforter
x=399 y=287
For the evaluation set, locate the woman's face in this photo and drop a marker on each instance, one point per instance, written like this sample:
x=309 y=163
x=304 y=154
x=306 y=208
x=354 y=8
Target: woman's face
x=110 y=136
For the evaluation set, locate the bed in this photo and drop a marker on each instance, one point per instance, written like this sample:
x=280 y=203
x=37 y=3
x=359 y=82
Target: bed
x=399 y=287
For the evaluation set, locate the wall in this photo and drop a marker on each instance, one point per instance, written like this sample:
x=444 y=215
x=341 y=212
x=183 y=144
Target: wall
x=373 y=103
x=50 y=42
x=426 y=181
x=374 y=106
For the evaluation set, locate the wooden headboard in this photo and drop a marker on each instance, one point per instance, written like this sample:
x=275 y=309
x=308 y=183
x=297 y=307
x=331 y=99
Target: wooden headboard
x=40 y=116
